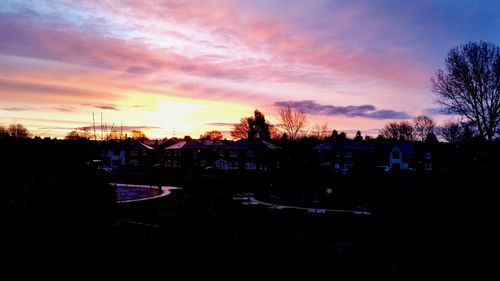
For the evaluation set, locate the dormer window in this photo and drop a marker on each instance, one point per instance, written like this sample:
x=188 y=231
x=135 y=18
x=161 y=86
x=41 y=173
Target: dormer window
x=395 y=155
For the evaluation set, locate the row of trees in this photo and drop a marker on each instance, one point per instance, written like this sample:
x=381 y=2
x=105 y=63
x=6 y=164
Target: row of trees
x=15 y=131
x=418 y=129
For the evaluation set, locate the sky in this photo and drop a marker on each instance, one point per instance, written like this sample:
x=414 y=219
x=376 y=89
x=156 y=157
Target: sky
x=175 y=68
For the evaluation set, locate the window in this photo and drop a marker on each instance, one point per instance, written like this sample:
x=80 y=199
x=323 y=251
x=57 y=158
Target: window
x=133 y=153
x=251 y=166
x=348 y=154
x=395 y=155
x=134 y=162
x=428 y=155
x=428 y=166
x=195 y=154
x=233 y=153
x=221 y=164
x=175 y=164
x=337 y=166
x=169 y=163
x=203 y=163
x=233 y=165
x=249 y=154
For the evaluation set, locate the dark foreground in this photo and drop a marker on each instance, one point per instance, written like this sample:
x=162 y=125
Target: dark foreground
x=433 y=226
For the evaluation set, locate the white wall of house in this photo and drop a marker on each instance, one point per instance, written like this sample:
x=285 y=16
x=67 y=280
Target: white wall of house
x=396 y=158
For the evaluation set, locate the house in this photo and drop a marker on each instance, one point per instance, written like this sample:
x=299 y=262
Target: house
x=346 y=155
x=126 y=153
x=249 y=155
x=192 y=154
x=401 y=156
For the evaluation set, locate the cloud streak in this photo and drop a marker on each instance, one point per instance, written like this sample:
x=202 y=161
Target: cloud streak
x=365 y=111
x=17 y=108
x=103 y=106
x=220 y=124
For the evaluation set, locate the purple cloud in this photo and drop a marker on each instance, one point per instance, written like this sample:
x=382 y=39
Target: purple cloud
x=366 y=111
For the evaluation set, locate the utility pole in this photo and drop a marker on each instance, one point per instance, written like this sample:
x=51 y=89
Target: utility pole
x=93 y=125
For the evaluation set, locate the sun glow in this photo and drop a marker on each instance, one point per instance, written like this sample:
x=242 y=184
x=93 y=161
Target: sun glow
x=175 y=118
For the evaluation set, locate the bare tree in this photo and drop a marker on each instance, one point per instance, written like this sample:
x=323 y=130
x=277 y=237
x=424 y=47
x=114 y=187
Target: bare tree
x=390 y=130
x=240 y=130
x=3 y=131
x=293 y=121
x=18 y=131
x=451 y=131
x=212 y=135
x=78 y=133
x=394 y=130
x=138 y=135
x=423 y=125
x=320 y=131
x=405 y=131
x=470 y=86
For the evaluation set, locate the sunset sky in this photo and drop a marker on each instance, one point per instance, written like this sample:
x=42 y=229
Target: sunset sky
x=185 y=67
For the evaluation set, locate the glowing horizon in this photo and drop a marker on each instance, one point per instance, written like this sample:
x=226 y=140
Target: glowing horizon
x=193 y=66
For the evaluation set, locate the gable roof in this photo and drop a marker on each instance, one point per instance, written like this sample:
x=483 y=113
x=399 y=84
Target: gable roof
x=245 y=144
x=195 y=144
x=345 y=145
x=405 y=147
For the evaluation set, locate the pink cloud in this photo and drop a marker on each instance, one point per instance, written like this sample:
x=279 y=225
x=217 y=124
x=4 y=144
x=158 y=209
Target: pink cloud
x=280 y=37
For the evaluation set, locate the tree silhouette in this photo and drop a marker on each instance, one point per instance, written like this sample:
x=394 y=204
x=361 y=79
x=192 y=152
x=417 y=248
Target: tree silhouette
x=334 y=135
x=212 y=135
x=3 y=132
x=138 y=135
x=73 y=135
x=253 y=127
x=342 y=136
x=78 y=133
x=451 y=131
x=358 y=136
x=394 y=130
x=431 y=138
x=470 y=86
x=320 y=131
x=423 y=126
x=240 y=130
x=18 y=131
x=293 y=121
